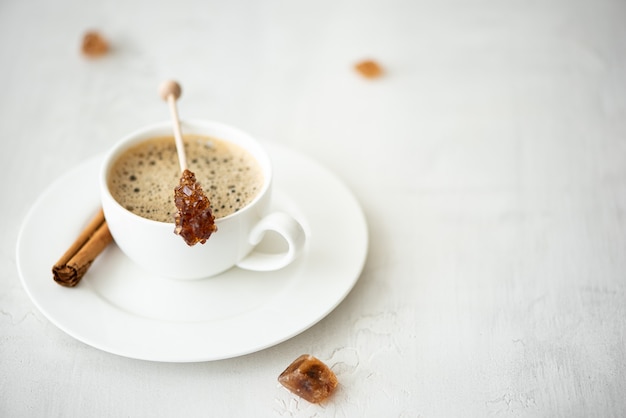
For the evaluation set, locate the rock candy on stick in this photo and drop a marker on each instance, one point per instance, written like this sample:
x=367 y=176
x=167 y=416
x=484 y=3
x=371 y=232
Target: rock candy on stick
x=194 y=219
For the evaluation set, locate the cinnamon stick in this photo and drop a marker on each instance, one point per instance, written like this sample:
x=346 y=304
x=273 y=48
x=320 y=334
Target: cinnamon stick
x=75 y=262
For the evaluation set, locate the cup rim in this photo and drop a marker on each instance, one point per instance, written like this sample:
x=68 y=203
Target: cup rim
x=195 y=125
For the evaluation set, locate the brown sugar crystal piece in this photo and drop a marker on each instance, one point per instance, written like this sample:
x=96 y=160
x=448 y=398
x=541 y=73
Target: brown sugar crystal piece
x=369 y=69
x=194 y=220
x=94 y=45
x=309 y=378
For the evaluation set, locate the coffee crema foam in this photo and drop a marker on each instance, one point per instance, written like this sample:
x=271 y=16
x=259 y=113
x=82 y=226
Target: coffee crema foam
x=143 y=178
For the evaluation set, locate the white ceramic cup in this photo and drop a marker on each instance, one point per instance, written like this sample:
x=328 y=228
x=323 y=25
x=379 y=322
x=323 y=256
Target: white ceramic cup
x=155 y=247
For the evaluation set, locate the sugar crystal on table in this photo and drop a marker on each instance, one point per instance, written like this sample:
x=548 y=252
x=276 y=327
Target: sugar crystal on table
x=309 y=378
x=94 y=45
x=369 y=69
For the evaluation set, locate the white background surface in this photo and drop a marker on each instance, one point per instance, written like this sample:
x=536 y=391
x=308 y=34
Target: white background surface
x=490 y=162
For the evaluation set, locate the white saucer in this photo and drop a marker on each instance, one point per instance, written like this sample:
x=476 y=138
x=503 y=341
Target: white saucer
x=121 y=309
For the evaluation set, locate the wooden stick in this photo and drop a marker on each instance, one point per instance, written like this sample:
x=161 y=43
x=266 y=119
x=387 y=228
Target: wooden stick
x=74 y=263
x=170 y=91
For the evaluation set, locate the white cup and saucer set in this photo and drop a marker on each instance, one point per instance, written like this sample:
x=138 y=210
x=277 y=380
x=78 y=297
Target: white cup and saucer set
x=125 y=307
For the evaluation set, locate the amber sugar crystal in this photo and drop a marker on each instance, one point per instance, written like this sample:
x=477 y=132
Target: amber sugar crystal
x=94 y=45
x=194 y=220
x=369 y=69
x=309 y=378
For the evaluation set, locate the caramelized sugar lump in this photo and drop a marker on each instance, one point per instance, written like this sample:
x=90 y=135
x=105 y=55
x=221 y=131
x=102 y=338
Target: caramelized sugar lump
x=369 y=69
x=309 y=378
x=94 y=45
x=194 y=220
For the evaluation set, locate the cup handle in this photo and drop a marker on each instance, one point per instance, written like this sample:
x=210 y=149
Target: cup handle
x=288 y=228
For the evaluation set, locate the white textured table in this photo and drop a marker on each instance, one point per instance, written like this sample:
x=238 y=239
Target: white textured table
x=490 y=162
